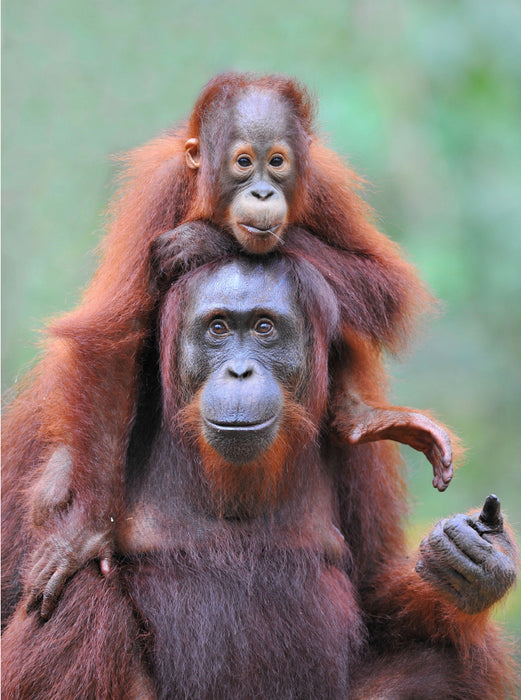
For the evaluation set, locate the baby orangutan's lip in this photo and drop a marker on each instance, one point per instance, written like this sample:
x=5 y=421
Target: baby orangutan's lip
x=260 y=231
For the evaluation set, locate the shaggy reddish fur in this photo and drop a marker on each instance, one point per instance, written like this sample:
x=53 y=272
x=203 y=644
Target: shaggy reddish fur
x=83 y=391
x=68 y=658
x=273 y=617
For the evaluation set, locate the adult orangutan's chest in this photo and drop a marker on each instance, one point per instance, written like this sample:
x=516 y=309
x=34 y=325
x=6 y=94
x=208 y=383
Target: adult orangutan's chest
x=246 y=622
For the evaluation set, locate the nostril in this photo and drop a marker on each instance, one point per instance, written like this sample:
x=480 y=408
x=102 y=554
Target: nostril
x=262 y=192
x=239 y=372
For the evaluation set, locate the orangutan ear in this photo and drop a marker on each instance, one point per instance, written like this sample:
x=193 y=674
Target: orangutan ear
x=192 y=155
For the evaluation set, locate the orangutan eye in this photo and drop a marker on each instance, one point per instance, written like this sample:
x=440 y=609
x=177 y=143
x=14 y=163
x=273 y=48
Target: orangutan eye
x=277 y=161
x=264 y=327
x=244 y=161
x=218 y=327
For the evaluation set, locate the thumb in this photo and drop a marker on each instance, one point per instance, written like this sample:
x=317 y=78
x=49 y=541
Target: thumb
x=490 y=517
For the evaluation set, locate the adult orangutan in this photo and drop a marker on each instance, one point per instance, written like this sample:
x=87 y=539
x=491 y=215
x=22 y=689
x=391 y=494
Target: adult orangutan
x=257 y=559
x=246 y=172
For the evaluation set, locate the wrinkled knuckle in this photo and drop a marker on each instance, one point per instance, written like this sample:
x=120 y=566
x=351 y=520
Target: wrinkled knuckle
x=489 y=550
x=438 y=543
x=457 y=521
x=460 y=530
x=427 y=568
x=423 y=570
x=507 y=577
x=424 y=545
x=49 y=598
x=450 y=528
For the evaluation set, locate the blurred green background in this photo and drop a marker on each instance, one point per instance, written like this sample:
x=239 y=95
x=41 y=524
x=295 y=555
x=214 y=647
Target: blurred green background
x=423 y=99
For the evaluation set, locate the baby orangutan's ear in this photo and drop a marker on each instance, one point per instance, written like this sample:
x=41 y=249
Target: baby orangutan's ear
x=192 y=155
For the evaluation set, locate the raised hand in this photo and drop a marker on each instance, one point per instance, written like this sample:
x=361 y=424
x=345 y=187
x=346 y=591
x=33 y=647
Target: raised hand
x=471 y=558
x=364 y=423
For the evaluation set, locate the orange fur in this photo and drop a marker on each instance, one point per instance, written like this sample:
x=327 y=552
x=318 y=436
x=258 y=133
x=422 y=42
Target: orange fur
x=254 y=486
x=83 y=394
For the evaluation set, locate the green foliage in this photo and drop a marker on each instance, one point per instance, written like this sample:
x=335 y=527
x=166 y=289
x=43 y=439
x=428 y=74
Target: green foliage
x=423 y=98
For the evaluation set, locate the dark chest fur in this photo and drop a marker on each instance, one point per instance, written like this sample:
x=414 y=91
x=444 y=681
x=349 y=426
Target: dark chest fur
x=246 y=624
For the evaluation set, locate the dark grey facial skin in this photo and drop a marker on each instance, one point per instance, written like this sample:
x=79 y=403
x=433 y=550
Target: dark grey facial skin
x=242 y=342
x=259 y=174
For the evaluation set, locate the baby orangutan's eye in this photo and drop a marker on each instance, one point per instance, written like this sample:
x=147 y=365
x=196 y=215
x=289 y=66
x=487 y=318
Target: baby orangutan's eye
x=244 y=161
